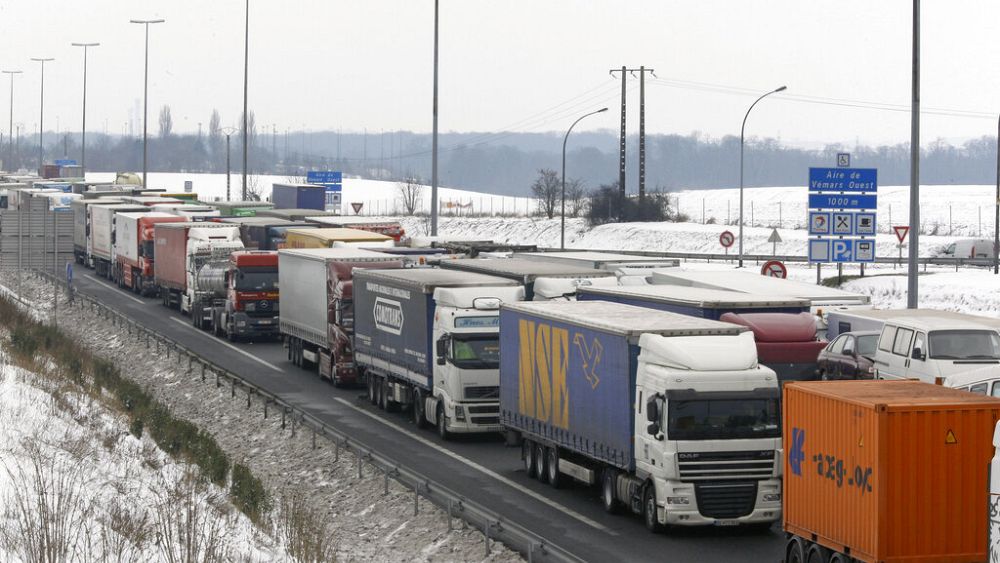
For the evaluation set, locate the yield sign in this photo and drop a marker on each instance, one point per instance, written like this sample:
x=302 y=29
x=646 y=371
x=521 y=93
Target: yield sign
x=901 y=232
x=775 y=237
x=357 y=207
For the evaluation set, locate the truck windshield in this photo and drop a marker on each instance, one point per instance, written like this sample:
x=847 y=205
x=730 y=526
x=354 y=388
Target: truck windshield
x=964 y=345
x=475 y=352
x=723 y=419
x=257 y=279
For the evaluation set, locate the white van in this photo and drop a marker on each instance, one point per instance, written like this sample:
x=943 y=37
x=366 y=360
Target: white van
x=969 y=248
x=934 y=346
x=984 y=381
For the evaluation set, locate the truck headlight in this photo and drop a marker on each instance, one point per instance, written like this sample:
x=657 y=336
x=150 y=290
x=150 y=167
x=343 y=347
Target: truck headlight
x=685 y=501
x=459 y=412
x=771 y=497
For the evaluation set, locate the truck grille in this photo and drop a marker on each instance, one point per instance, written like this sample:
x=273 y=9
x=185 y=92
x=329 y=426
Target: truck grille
x=487 y=392
x=726 y=500
x=486 y=415
x=704 y=466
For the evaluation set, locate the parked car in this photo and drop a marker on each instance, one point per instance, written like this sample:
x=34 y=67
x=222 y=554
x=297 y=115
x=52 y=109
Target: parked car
x=849 y=356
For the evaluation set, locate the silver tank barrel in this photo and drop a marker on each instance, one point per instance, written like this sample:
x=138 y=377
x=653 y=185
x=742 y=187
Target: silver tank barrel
x=212 y=277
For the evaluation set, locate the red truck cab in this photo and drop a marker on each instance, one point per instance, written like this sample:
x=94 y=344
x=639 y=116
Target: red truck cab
x=786 y=342
x=251 y=308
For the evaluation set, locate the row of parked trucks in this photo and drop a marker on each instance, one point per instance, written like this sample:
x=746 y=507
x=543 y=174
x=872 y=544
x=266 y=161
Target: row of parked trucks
x=676 y=393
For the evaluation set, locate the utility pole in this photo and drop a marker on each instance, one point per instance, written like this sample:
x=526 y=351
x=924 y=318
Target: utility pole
x=246 y=67
x=145 y=101
x=642 y=130
x=434 y=134
x=41 y=113
x=911 y=274
x=10 y=148
x=621 y=145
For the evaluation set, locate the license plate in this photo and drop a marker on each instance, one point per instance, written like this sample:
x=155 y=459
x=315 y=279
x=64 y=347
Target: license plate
x=727 y=523
x=265 y=322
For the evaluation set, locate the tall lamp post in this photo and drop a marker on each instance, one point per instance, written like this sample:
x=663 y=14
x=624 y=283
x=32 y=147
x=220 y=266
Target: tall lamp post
x=10 y=144
x=41 y=110
x=434 y=134
x=742 y=132
x=145 y=99
x=227 y=131
x=562 y=211
x=246 y=67
x=996 y=211
x=83 y=129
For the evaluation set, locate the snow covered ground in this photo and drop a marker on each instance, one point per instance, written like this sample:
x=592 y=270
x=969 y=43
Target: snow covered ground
x=975 y=292
x=73 y=478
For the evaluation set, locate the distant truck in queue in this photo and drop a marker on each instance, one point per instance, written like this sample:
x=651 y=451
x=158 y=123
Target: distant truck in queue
x=329 y=238
x=81 y=224
x=391 y=229
x=134 y=248
x=243 y=295
x=100 y=240
x=532 y=274
x=886 y=471
x=298 y=196
x=429 y=339
x=783 y=328
x=670 y=415
x=181 y=250
x=295 y=214
x=264 y=233
x=317 y=312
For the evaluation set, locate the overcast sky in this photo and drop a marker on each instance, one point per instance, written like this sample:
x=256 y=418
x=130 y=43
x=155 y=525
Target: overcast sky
x=530 y=65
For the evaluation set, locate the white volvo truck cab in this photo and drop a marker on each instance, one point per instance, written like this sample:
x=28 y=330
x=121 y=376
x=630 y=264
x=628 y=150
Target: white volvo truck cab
x=204 y=245
x=707 y=431
x=466 y=382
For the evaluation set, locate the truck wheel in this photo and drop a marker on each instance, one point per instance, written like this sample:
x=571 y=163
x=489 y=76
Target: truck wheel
x=553 y=465
x=528 y=454
x=649 y=510
x=542 y=465
x=839 y=558
x=817 y=554
x=794 y=551
x=370 y=381
x=390 y=405
x=442 y=424
x=608 y=500
x=381 y=393
x=419 y=409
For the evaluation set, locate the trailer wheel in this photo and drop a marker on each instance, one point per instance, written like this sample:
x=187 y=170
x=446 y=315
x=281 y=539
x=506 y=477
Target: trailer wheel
x=542 y=464
x=608 y=500
x=528 y=455
x=839 y=558
x=553 y=465
x=442 y=423
x=382 y=402
x=795 y=551
x=370 y=381
x=649 y=510
x=419 y=409
x=817 y=554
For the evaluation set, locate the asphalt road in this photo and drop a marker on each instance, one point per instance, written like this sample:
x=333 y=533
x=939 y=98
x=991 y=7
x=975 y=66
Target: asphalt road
x=480 y=469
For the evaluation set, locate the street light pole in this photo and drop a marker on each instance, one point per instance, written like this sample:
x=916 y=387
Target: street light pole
x=41 y=112
x=434 y=135
x=83 y=130
x=742 y=136
x=912 y=268
x=227 y=131
x=246 y=67
x=562 y=211
x=10 y=144
x=996 y=211
x=145 y=100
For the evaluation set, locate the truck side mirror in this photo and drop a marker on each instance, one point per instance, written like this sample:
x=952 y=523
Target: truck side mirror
x=918 y=354
x=653 y=429
x=442 y=350
x=652 y=411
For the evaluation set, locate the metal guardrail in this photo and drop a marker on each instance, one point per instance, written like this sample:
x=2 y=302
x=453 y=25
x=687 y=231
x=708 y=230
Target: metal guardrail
x=493 y=526
x=760 y=258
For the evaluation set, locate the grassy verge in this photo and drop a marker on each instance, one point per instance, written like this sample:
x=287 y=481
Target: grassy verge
x=33 y=345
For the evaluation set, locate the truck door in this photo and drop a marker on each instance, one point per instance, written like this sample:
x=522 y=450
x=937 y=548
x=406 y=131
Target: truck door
x=647 y=457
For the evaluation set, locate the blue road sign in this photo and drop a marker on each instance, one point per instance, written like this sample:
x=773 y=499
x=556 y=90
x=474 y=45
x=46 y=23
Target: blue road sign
x=864 y=224
x=819 y=222
x=843 y=179
x=842 y=250
x=65 y=162
x=819 y=250
x=842 y=201
x=329 y=178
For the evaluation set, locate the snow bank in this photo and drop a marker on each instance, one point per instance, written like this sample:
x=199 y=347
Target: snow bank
x=976 y=292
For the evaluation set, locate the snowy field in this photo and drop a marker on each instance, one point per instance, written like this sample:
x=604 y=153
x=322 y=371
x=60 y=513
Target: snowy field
x=975 y=292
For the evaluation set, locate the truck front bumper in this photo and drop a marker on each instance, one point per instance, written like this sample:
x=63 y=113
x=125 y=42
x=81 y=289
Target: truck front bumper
x=246 y=326
x=472 y=418
x=678 y=505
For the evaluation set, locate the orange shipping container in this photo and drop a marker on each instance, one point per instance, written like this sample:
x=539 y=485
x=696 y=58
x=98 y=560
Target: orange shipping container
x=887 y=471
x=327 y=238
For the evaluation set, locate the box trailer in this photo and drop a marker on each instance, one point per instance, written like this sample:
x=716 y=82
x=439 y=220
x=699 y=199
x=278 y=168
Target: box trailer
x=181 y=250
x=670 y=414
x=610 y=261
x=294 y=214
x=265 y=233
x=239 y=208
x=81 y=224
x=317 y=313
x=428 y=338
x=298 y=196
x=100 y=252
x=389 y=228
x=128 y=245
x=730 y=280
x=886 y=471
x=528 y=272
x=328 y=238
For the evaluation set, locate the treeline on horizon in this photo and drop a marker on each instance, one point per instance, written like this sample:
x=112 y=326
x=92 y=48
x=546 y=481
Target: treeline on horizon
x=508 y=163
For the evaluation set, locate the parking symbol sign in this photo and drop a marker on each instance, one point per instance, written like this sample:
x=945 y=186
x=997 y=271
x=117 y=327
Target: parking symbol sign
x=842 y=250
x=843 y=223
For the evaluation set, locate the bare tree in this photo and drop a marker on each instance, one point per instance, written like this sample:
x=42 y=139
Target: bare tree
x=255 y=189
x=166 y=122
x=547 y=191
x=576 y=197
x=411 y=194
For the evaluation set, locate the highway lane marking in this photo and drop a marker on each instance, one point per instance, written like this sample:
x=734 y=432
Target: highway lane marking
x=231 y=347
x=489 y=472
x=106 y=282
